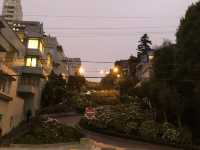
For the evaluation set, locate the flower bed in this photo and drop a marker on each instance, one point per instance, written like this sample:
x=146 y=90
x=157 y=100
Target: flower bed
x=46 y=131
x=131 y=122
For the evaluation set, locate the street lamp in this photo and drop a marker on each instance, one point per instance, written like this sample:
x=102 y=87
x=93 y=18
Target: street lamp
x=115 y=70
x=81 y=70
x=118 y=75
x=107 y=72
x=102 y=72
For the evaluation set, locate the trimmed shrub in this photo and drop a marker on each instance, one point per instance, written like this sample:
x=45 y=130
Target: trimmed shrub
x=184 y=137
x=149 y=130
x=48 y=131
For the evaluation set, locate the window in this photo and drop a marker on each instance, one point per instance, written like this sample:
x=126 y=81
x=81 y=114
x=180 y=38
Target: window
x=33 y=43
x=31 y=62
x=10 y=11
x=41 y=47
x=48 y=61
x=5 y=85
x=2 y=85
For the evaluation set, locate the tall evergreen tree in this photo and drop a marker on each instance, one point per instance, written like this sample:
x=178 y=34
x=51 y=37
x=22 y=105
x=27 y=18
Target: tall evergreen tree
x=144 y=44
x=188 y=70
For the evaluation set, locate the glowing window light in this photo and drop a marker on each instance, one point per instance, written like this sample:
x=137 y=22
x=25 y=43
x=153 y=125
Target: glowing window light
x=33 y=44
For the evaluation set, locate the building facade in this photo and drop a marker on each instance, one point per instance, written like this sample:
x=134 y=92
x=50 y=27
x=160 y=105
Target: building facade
x=60 y=67
x=12 y=10
x=11 y=105
x=127 y=68
x=144 y=67
x=74 y=65
x=37 y=64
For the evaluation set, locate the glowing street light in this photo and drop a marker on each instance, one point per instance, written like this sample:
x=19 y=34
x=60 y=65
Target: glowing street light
x=81 y=70
x=118 y=76
x=102 y=72
x=115 y=70
x=107 y=72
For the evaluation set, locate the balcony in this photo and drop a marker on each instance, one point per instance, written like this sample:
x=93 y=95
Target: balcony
x=5 y=97
x=34 y=52
x=26 y=89
x=7 y=71
x=33 y=71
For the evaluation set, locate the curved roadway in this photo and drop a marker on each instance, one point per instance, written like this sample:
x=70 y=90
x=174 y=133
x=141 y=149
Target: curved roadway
x=117 y=142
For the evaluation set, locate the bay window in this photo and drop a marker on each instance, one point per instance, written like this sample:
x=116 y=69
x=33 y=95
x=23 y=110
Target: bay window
x=33 y=43
x=31 y=62
x=41 y=48
x=49 y=61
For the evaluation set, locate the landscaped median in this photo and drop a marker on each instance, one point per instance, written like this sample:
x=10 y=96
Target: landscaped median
x=130 y=121
x=42 y=130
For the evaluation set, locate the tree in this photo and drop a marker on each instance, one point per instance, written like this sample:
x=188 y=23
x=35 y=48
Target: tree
x=188 y=71
x=144 y=45
x=164 y=63
x=55 y=91
x=76 y=83
x=109 y=81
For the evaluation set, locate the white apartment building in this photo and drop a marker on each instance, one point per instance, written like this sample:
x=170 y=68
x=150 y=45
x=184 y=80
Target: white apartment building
x=12 y=11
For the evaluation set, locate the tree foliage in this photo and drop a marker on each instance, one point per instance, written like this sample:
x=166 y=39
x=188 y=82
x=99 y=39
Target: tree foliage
x=144 y=44
x=55 y=91
x=109 y=81
x=188 y=71
x=76 y=83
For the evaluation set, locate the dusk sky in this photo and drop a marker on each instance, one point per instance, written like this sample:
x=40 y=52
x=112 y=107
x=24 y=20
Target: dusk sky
x=106 y=30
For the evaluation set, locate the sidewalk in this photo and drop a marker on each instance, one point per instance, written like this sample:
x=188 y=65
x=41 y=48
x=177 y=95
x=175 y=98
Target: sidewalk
x=85 y=144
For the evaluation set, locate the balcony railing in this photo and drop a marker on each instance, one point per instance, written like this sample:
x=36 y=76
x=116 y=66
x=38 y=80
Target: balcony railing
x=34 y=52
x=33 y=70
x=26 y=89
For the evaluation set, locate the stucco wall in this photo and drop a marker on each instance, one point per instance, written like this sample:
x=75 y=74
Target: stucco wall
x=12 y=111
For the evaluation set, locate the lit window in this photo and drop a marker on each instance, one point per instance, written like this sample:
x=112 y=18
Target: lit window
x=33 y=44
x=48 y=60
x=31 y=62
x=41 y=47
x=28 y=62
x=151 y=57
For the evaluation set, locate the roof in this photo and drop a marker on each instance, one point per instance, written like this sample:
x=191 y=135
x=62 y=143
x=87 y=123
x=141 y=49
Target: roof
x=30 y=28
x=9 y=38
x=51 y=42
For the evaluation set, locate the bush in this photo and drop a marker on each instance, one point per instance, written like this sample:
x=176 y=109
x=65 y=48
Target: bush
x=129 y=121
x=184 y=137
x=170 y=136
x=149 y=130
x=131 y=128
x=169 y=133
x=81 y=102
x=48 y=131
x=105 y=97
